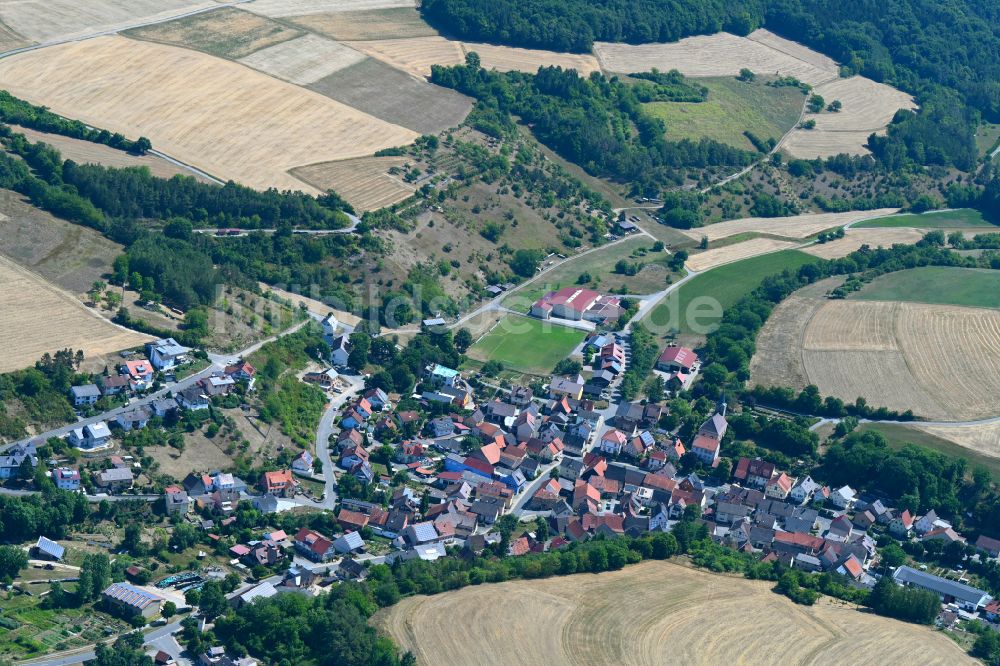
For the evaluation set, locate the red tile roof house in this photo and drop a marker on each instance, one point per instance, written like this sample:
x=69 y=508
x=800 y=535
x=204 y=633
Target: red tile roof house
x=988 y=545
x=314 y=545
x=901 y=525
x=613 y=441
x=352 y=520
x=279 y=484
x=676 y=359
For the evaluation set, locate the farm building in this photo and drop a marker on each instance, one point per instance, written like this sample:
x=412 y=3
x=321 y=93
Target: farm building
x=950 y=591
x=676 y=359
x=46 y=549
x=132 y=600
x=576 y=304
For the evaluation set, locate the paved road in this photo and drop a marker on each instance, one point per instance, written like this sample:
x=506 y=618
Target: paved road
x=323 y=434
x=525 y=495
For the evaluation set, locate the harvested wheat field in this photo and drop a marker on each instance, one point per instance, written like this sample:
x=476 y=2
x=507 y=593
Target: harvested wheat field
x=868 y=107
x=508 y=59
x=414 y=103
x=364 y=182
x=778 y=361
x=941 y=361
x=730 y=253
x=225 y=32
x=795 y=50
x=45 y=20
x=796 y=226
x=68 y=255
x=216 y=115
x=283 y=8
x=651 y=613
x=720 y=54
x=414 y=55
x=10 y=40
x=984 y=439
x=853 y=326
x=39 y=317
x=304 y=60
x=87 y=152
x=393 y=23
x=854 y=238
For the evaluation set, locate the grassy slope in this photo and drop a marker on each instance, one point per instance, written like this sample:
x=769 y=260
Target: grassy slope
x=726 y=284
x=898 y=435
x=732 y=107
x=949 y=219
x=600 y=265
x=933 y=284
x=526 y=344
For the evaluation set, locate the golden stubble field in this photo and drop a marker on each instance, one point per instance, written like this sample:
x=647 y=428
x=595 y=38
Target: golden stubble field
x=365 y=182
x=941 y=361
x=796 y=226
x=854 y=238
x=868 y=107
x=38 y=317
x=219 y=116
x=721 y=54
x=724 y=255
x=651 y=613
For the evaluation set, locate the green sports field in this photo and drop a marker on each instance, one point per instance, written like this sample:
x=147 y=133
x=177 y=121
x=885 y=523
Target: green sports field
x=942 y=219
x=724 y=285
x=943 y=285
x=526 y=344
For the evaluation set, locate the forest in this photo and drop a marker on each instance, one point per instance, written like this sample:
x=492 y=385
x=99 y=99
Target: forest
x=598 y=123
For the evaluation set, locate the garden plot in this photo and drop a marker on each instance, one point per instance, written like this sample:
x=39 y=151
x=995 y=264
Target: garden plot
x=304 y=60
x=226 y=32
x=796 y=226
x=364 y=182
x=47 y=20
x=216 y=115
x=414 y=103
x=720 y=54
x=283 y=8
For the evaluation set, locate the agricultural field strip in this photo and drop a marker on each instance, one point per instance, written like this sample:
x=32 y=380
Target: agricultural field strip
x=56 y=21
x=720 y=54
x=981 y=438
x=364 y=182
x=253 y=134
x=855 y=237
x=725 y=255
x=285 y=8
x=303 y=60
x=38 y=317
x=796 y=226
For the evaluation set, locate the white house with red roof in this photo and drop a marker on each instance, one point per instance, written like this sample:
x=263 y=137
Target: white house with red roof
x=708 y=441
x=612 y=441
x=314 y=545
x=575 y=303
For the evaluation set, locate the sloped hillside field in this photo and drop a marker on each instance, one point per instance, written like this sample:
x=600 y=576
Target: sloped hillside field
x=651 y=613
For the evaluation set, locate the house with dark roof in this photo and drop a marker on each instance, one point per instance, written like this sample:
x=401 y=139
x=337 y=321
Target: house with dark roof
x=966 y=596
x=132 y=600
